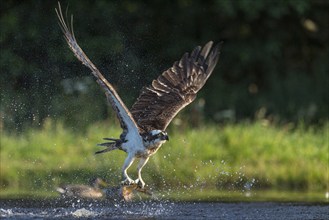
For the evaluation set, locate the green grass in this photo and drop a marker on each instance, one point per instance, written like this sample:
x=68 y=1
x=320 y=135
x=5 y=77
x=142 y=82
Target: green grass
x=234 y=158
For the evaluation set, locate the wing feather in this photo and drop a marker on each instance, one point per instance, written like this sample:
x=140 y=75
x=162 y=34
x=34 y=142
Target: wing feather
x=127 y=121
x=175 y=88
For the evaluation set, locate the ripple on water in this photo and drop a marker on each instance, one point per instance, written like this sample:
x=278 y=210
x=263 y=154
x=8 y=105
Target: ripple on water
x=168 y=210
x=142 y=209
x=83 y=213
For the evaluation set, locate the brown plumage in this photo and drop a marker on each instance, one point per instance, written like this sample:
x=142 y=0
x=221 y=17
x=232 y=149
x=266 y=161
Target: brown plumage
x=144 y=126
x=175 y=88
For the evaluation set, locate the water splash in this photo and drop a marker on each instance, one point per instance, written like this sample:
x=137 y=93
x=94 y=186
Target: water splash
x=248 y=186
x=220 y=176
x=6 y=212
x=83 y=213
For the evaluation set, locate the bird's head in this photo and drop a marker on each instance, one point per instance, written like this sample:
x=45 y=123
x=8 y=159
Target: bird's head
x=156 y=137
x=159 y=135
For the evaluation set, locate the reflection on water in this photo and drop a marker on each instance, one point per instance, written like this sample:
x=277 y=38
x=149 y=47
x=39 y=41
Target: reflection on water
x=59 y=209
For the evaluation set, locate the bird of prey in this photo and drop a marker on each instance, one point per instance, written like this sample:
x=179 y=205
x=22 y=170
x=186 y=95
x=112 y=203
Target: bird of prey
x=145 y=123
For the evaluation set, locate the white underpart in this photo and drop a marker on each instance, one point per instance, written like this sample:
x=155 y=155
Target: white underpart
x=132 y=146
x=135 y=141
x=128 y=162
x=141 y=164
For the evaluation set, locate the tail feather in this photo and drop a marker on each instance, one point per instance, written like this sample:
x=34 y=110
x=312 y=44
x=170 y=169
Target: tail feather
x=106 y=144
x=113 y=144
x=111 y=139
x=109 y=147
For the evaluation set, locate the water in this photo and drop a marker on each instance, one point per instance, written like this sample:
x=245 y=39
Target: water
x=60 y=209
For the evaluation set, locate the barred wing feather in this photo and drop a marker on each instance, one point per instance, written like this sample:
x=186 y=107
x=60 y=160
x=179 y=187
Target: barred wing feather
x=175 y=88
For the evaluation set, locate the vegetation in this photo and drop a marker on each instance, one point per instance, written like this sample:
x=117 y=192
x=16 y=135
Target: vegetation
x=272 y=75
x=237 y=157
x=274 y=57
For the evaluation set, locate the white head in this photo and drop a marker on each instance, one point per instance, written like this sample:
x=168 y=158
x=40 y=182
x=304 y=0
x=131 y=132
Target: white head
x=160 y=134
x=156 y=137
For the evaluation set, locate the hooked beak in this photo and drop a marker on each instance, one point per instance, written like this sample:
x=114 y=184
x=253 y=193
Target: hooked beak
x=166 y=137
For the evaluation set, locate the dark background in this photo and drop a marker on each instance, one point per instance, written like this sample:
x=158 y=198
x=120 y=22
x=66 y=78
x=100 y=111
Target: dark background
x=273 y=65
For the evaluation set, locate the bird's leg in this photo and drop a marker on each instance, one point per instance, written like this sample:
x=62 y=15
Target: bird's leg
x=140 y=166
x=128 y=161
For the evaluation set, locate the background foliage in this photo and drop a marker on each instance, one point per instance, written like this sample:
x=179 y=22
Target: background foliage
x=273 y=71
x=274 y=60
x=263 y=157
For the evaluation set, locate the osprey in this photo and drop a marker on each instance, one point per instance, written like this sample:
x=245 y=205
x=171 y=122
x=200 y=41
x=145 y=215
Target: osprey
x=145 y=124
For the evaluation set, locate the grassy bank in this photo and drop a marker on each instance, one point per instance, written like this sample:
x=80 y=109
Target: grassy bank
x=236 y=157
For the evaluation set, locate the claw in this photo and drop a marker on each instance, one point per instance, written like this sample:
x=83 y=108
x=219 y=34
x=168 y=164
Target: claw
x=140 y=183
x=128 y=182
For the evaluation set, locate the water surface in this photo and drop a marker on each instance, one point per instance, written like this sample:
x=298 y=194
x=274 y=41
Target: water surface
x=63 y=209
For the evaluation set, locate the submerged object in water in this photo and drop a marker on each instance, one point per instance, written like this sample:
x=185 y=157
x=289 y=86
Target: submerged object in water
x=98 y=189
x=93 y=191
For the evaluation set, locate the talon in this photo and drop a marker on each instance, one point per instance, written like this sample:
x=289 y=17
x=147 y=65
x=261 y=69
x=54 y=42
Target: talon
x=140 y=183
x=128 y=181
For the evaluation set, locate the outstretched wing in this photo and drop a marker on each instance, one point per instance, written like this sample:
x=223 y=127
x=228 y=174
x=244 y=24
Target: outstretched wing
x=175 y=88
x=126 y=120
